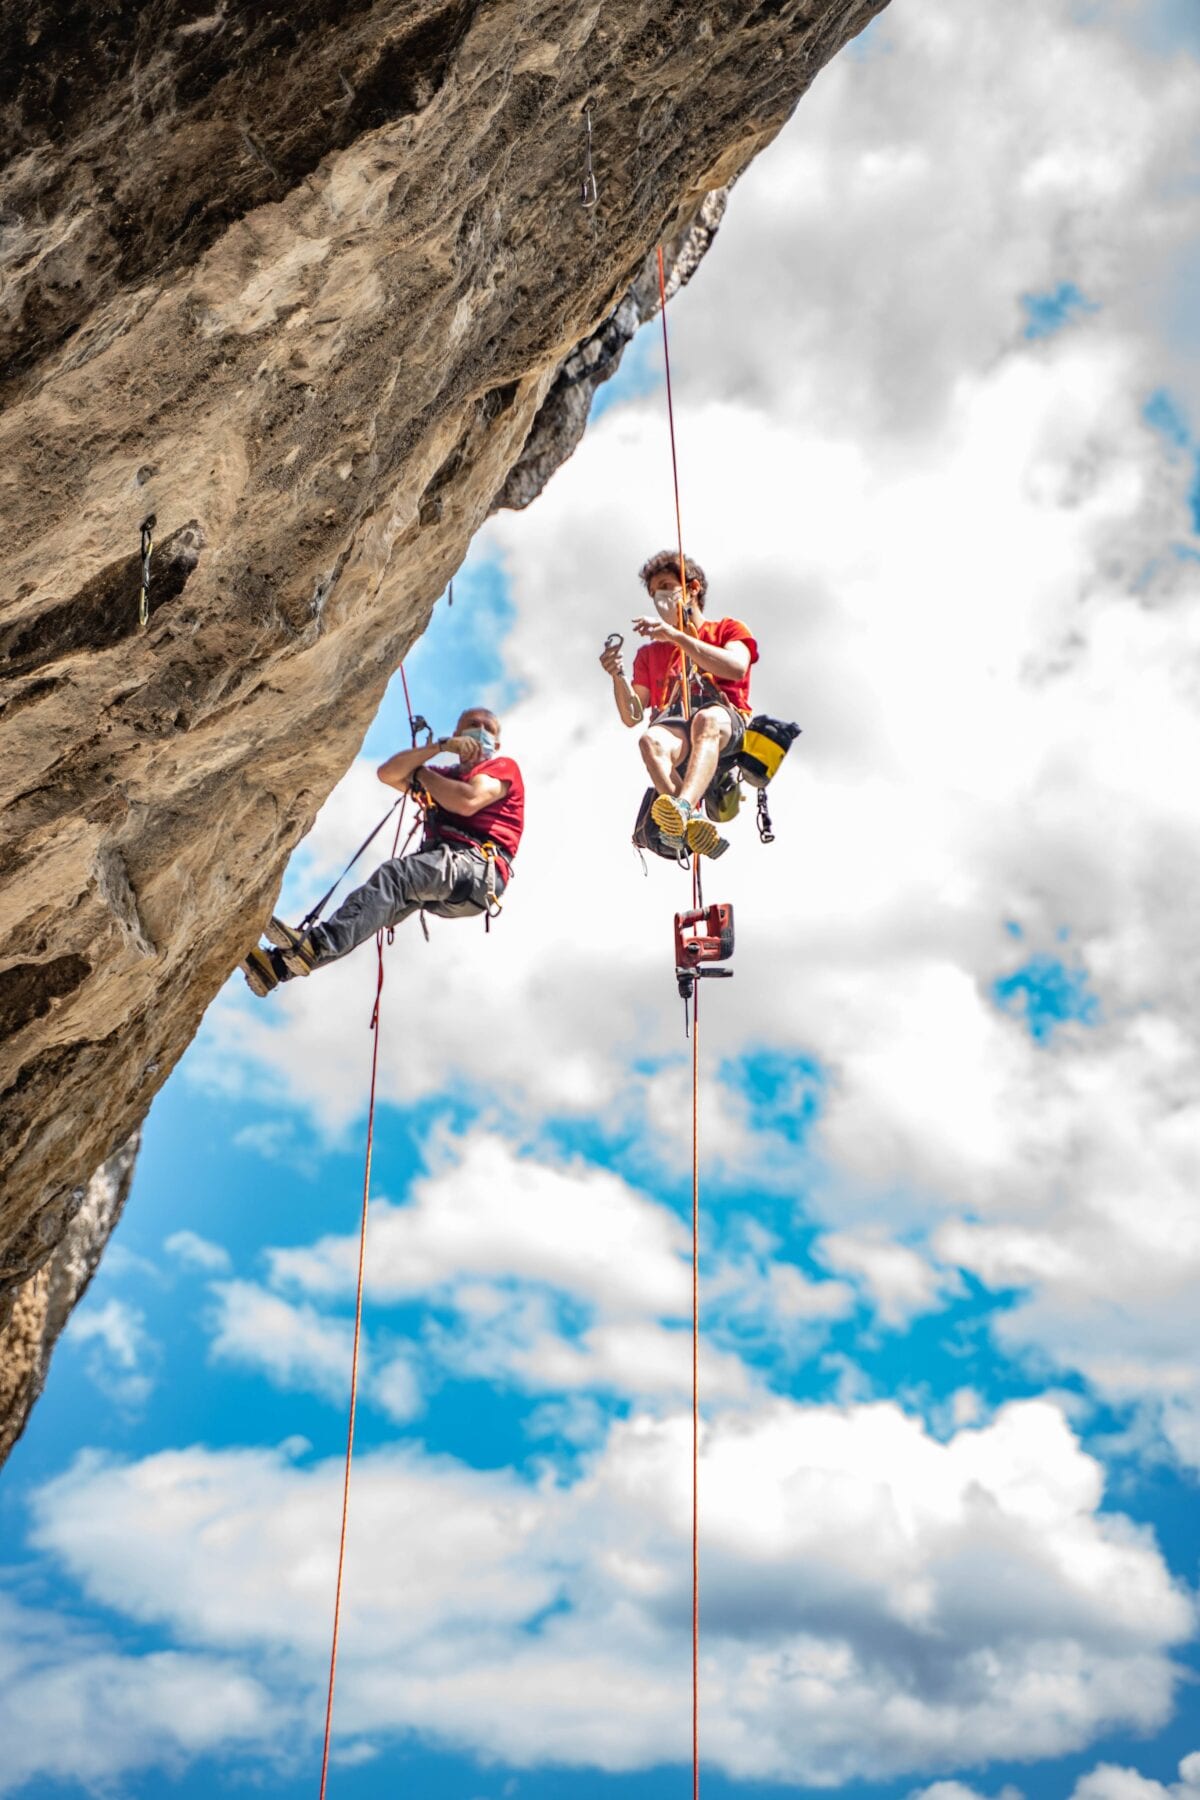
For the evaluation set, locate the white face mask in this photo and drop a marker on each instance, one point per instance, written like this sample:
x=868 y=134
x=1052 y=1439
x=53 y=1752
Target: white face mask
x=666 y=602
x=483 y=738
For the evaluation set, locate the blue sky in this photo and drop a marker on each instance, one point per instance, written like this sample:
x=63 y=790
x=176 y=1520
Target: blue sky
x=949 y=1270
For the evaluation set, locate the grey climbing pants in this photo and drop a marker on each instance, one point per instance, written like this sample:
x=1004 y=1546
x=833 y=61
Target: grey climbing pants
x=447 y=880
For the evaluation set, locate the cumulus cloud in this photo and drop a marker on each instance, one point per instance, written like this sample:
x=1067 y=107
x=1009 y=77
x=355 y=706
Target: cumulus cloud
x=957 y=1790
x=299 y=1348
x=1109 y=1781
x=550 y=1276
x=120 y=1352
x=876 y=1602
x=196 y=1252
x=75 y=1708
x=294 y=1346
x=901 y=1283
x=486 y=1209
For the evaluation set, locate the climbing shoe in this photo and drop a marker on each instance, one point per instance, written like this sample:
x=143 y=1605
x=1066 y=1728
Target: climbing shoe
x=296 y=948
x=672 y=815
x=703 y=838
x=264 y=970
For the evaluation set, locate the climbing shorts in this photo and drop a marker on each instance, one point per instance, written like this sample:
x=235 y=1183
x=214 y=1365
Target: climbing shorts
x=737 y=724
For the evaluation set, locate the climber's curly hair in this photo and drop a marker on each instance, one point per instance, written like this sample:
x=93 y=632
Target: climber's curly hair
x=667 y=562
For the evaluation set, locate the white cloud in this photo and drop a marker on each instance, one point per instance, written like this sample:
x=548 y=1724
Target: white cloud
x=196 y=1252
x=396 y=1389
x=74 y=1708
x=277 y=1140
x=956 y=1790
x=875 y=1602
x=294 y=1346
x=298 y=1348
x=1108 y=1781
x=901 y=1283
x=511 y=1246
x=487 y=1209
x=120 y=1350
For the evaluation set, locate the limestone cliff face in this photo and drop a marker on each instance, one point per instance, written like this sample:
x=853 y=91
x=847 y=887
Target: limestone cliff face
x=46 y=1301
x=314 y=287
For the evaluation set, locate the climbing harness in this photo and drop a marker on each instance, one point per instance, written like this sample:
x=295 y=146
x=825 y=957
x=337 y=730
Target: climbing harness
x=589 y=193
x=147 y=530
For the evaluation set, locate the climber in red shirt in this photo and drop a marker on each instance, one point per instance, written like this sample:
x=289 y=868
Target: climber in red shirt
x=685 y=753
x=473 y=824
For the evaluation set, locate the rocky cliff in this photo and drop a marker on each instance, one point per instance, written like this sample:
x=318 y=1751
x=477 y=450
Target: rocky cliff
x=313 y=287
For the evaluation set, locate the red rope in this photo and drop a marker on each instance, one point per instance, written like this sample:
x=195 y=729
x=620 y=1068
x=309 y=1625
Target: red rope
x=358 y=1309
x=358 y=1298
x=684 y=672
x=696 y=1391
x=407 y=702
x=685 y=684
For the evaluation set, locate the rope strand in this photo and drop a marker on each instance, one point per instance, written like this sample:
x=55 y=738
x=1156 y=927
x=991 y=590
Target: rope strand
x=362 y=1264
x=684 y=673
x=358 y=1310
x=697 y=902
x=696 y=1391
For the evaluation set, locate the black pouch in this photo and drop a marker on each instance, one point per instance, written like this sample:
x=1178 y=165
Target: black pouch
x=766 y=743
x=647 y=836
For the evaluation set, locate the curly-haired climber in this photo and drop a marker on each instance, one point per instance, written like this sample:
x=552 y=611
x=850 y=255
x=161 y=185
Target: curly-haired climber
x=474 y=817
x=689 y=753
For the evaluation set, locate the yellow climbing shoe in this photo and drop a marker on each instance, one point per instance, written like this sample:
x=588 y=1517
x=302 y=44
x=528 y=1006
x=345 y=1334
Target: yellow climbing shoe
x=703 y=838
x=296 y=948
x=671 y=815
x=260 y=971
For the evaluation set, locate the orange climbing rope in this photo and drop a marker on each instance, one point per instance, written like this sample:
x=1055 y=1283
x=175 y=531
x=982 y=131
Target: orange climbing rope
x=358 y=1306
x=696 y=1391
x=685 y=684
x=685 y=681
x=358 y=1299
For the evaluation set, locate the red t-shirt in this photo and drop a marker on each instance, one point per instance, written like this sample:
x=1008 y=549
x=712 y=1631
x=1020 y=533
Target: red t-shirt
x=503 y=819
x=656 y=666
